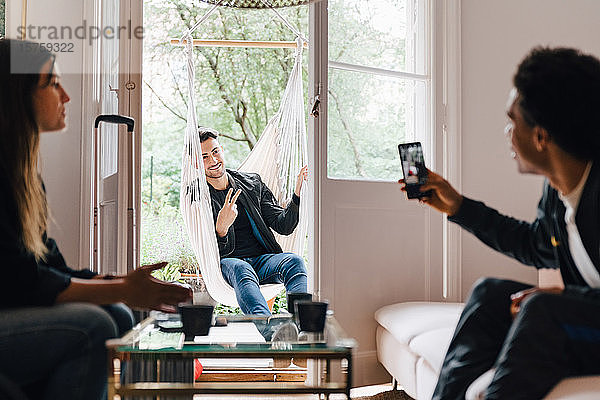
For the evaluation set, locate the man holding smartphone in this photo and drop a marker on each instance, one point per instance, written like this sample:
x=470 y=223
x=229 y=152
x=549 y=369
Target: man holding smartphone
x=530 y=337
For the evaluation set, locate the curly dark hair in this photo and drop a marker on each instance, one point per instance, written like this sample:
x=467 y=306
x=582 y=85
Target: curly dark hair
x=207 y=133
x=559 y=90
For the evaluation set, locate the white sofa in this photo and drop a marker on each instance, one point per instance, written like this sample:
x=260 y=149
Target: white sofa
x=412 y=339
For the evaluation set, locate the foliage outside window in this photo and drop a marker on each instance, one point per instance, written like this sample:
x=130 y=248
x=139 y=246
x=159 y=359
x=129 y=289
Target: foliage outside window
x=237 y=91
x=369 y=113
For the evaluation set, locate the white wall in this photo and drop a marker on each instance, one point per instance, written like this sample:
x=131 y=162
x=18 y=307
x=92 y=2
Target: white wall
x=496 y=35
x=61 y=151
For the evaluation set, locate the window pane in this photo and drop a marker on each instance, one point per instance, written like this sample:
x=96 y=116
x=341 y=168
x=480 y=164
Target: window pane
x=368 y=115
x=375 y=33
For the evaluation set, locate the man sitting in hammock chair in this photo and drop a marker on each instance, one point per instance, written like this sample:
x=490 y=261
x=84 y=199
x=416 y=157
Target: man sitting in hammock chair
x=245 y=211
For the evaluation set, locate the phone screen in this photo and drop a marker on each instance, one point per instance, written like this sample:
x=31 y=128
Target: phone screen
x=413 y=168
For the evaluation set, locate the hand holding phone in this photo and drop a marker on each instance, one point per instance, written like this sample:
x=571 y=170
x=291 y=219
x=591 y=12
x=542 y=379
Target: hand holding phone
x=413 y=169
x=439 y=194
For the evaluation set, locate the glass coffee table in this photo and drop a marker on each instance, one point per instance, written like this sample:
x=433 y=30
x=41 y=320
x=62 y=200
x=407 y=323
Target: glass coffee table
x=154 y=359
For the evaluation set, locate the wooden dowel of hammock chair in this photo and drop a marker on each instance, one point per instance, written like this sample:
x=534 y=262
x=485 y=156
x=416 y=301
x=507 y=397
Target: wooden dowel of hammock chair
x=239 y=43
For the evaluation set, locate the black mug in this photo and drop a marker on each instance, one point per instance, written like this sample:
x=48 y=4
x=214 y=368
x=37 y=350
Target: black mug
x=196 y=319
x=311 y=315
x=293 y=297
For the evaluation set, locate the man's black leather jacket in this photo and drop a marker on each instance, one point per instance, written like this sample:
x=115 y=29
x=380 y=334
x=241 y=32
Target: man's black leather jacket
x=262 y=206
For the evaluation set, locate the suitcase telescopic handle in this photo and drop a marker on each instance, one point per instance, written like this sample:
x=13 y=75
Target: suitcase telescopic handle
x=115 y=119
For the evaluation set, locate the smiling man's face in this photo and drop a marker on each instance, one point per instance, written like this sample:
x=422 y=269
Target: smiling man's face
x=213 y=158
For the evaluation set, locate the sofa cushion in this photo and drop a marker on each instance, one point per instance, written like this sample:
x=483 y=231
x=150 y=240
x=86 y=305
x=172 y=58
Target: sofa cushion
x=426 y=380
x=476 y=390
x=432 y=346
x=398 y=359
x=407 y=320
x=412 y=341
x=402 y=342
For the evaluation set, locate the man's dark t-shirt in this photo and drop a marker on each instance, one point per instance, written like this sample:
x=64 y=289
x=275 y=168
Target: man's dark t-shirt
x=246 y=243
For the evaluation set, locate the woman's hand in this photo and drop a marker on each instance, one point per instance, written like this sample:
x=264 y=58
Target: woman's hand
x=142 y=290
x=302 y=176
x=228 y=213
x=443 y=196
x=138 y=289
x=517 y=298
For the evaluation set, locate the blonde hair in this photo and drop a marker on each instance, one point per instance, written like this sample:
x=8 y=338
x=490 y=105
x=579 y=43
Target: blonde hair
x=20 y=140
x=31 y=199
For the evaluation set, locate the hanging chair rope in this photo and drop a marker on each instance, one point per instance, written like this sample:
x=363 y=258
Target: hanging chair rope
x=265 y=4
x=285 y=21
x=277 y=157
x=259 y=3
x=189 y=32
x=283 y=144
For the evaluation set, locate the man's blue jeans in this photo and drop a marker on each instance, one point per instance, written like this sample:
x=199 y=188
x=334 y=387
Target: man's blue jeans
x=59 y=351
x=245 y=275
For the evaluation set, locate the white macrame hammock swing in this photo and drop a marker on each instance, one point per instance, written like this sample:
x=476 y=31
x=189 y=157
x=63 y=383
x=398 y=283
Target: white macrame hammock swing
x=277 y=157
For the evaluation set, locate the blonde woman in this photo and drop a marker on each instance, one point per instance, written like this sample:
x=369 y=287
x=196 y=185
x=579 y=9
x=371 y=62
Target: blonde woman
x=54 y=320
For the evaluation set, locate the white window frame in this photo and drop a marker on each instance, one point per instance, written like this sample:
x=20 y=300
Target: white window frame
x=448 y=123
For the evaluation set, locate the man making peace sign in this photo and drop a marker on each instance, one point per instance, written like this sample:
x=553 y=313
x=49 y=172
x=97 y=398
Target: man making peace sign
x=245 y=211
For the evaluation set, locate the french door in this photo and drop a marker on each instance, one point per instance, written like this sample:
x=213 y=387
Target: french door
x=115 y=76
x=372 y=247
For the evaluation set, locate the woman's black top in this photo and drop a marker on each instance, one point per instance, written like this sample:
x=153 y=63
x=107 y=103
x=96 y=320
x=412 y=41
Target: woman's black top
x=25 y=281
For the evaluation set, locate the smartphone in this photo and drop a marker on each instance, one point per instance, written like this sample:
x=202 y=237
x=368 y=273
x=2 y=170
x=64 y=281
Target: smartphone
x=413 y=169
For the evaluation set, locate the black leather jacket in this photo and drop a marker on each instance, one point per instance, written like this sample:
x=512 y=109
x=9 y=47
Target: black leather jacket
x=262 y=206
x=544 y=242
